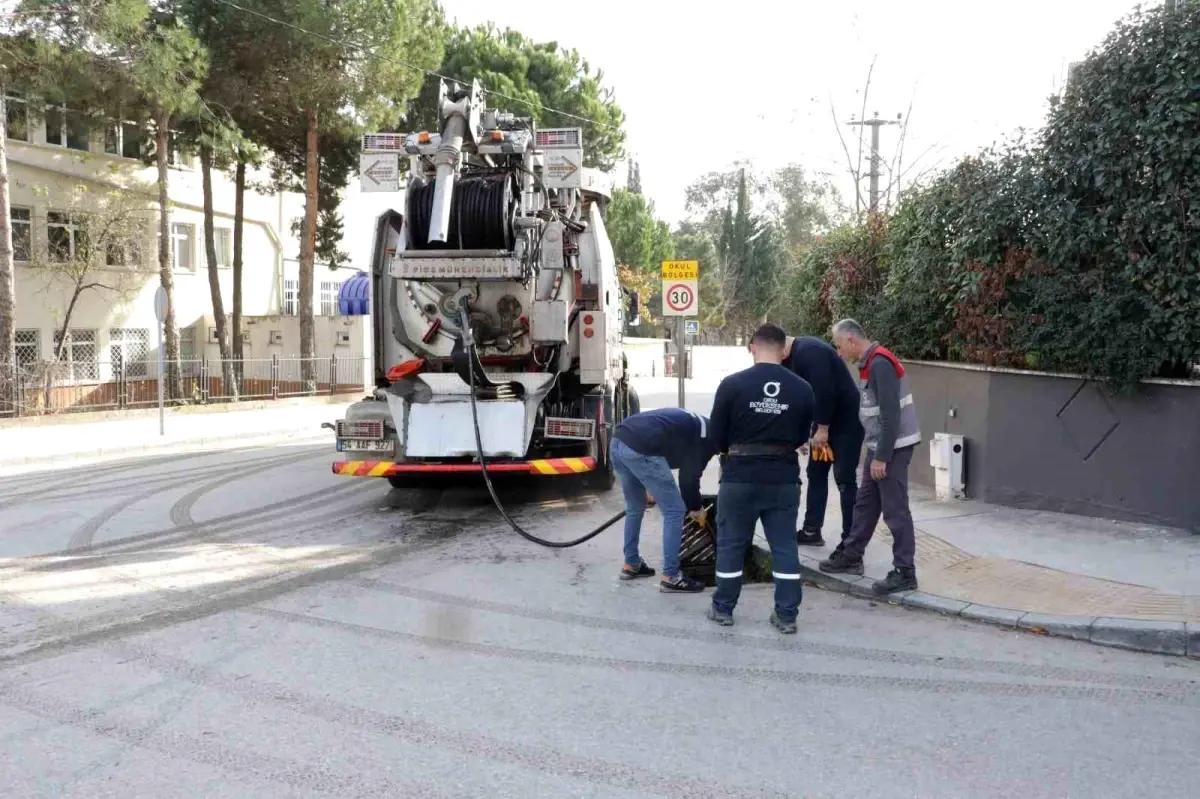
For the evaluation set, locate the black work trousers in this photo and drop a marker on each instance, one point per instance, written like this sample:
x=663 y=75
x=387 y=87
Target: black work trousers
x=888 y=497
x=846 y=439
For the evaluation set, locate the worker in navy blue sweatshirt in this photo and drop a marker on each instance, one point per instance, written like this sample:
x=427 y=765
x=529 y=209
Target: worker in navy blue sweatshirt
x=837 y=426
x=645 y=448
x=761 y=417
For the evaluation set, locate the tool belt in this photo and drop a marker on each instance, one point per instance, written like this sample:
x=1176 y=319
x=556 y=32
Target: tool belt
x=770 y=450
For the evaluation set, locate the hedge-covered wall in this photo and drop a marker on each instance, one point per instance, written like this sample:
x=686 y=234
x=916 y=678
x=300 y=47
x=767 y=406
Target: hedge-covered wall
x=1074 y=249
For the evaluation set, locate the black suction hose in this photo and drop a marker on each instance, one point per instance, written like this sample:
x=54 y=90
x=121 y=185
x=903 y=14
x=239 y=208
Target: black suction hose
x=469 y=342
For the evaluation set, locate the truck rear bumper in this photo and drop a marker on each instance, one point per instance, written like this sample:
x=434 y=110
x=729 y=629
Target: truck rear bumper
x=544 y=467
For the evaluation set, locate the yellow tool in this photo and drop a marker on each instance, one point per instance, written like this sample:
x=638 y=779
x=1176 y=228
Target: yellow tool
x=822 y=453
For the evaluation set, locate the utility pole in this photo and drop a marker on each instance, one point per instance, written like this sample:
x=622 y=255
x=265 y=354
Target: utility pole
x=875 y=124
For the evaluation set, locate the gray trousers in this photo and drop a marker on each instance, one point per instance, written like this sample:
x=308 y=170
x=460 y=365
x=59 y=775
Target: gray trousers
x=887 y=497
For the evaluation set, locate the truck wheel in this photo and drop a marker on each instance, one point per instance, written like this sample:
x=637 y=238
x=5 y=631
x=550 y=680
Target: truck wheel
x=635 y=402
x=604 y=477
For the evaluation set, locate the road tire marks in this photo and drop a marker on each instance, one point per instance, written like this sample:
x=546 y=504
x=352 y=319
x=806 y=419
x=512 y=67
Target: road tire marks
x=232 y=521
x=69 y=491
x=307 y=777
x=408 y=729
x=835 y=651
x=88 y=632
x=82 y=537
x=1107 y=695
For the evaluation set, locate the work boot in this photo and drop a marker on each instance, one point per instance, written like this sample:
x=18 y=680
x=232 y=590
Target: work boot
x=723 y=619
x=898 y=579
x=841 y=562
x=809 y=538
x=785 y=627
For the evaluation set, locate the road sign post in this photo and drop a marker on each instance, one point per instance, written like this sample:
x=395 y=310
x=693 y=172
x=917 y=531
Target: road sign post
x=160 y=313
x=681 y=299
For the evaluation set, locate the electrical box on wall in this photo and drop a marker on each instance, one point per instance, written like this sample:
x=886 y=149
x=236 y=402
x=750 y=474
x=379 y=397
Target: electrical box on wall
x=947 y=456
x=343 y=338
x=277 y=337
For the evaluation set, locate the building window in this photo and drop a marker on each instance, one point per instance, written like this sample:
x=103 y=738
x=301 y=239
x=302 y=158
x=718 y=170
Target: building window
x=78 y=354
x=179 y=157
x=16 y=118
x=291 y=297
x=21 y=220
x=187 y=344
x=329 y=297
x=67 y=237
x=130 y=347
x=124 y=139
x=189 y=357
x=126 y=253
x=29 y=349
x=183 y=246
x=68 y=129
x=223 y=239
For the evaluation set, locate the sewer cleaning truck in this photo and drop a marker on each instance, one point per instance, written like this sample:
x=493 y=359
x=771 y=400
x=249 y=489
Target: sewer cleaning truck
x=497 y=316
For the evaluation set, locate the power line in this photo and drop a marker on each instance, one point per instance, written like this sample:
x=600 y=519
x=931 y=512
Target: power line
x=429 y=72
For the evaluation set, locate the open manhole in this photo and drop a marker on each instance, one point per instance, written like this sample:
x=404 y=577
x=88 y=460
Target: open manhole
x=698 y=551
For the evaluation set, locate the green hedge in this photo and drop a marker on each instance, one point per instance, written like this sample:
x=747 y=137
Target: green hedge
x=1076 y=250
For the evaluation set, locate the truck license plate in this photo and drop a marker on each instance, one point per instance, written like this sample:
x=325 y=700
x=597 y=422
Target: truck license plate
x=363 y=445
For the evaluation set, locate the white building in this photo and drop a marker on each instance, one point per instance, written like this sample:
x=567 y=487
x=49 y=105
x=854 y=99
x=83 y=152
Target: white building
x=50 y=155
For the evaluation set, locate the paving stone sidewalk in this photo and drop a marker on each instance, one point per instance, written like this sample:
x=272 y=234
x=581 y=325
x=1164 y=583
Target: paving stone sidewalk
x=1018 y=593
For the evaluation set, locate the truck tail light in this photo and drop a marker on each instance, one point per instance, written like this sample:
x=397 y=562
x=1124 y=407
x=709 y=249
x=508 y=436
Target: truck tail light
x=588 y=332
x=574 y=429
x=367 y=429
x=402 y=370
x=588 y=319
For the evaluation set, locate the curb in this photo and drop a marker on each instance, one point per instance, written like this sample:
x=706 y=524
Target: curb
x=1160 y=637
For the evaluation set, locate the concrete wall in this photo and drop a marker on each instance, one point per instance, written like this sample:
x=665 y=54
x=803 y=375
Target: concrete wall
x=1060 y=443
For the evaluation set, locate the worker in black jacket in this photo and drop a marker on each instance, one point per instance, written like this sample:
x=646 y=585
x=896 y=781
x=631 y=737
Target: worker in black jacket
x=645 y=448
x=836 y=426
x=761 y=417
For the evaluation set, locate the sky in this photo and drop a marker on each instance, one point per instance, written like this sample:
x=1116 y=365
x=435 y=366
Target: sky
x=755 y=80
x=703 y=89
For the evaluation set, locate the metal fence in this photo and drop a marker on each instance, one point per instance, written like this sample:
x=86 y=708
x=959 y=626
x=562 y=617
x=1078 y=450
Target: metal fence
x=54 y=388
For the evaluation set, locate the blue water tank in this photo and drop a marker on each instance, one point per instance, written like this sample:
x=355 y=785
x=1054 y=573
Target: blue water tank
x=354 y=299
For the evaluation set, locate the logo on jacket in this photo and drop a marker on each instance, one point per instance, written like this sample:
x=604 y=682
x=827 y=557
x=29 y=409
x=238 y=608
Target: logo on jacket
x=769 y=403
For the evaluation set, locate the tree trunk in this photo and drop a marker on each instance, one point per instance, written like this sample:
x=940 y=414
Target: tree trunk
x=239 y=208
x=214 y=277
x=174 y=387
x=308 y=248
x=8 y=310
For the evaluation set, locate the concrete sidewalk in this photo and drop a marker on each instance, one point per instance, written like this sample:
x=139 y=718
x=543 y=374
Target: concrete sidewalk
x=1113 y=583
x=49 y=441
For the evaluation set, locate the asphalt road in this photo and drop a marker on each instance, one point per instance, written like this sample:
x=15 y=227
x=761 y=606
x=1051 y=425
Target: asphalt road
x=246 y=624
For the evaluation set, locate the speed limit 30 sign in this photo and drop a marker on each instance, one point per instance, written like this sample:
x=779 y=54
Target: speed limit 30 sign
x=680 y=288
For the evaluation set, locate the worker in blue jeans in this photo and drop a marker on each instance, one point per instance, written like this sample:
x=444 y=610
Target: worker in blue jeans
x=761 y=417
x=644 y=450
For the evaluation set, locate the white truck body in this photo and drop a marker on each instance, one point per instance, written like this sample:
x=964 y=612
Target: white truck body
x=501 y=243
